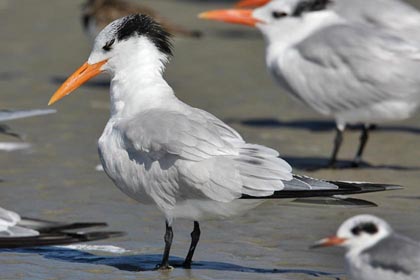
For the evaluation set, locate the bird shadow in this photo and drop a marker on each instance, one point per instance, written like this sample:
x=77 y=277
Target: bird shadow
x=95 y=83
x=315 y=125
x=148 y=262
x=317 y=163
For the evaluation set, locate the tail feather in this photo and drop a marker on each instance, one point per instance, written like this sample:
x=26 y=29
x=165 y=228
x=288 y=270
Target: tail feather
x=324 y=188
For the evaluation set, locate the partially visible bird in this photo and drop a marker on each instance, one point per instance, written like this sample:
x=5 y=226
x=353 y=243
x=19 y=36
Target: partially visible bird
x=161 y=151
x=8 y=115
x=353 y=72
x=99 y=13
x=17 y=232
x=375 y=251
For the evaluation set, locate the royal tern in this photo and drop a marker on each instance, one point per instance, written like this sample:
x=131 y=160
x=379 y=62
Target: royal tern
x=16 y=232
x=375 y=251
x=159 y=150
x=99 y=13
x=352 y=72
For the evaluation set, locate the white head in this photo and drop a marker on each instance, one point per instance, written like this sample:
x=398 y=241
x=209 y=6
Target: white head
x=358 y=233
x=134 y=43
x=278 y=19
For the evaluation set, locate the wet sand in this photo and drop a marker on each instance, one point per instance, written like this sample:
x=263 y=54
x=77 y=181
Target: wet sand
x=223 y=73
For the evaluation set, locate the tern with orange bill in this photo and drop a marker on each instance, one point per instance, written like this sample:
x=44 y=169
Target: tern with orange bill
x=353 y=72
x=375 y=251
x=159 y=150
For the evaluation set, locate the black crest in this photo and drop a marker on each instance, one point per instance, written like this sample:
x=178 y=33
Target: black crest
x=310 y=6
x=145 y=25
x=370 y=228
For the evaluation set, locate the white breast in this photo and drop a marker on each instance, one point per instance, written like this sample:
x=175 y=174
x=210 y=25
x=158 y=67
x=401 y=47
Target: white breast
x=127 y=174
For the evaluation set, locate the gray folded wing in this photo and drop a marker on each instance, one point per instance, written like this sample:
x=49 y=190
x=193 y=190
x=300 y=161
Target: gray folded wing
x=210 y=158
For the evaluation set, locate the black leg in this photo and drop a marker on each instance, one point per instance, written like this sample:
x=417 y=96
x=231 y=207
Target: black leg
x=169 y=235
x=195 y=237
x=363 y=140
x=337 y=144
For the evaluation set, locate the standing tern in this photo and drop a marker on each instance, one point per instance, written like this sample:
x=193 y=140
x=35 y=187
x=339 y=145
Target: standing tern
x=375 y=251
x=353 y=72
x=159 y=150
x=18 y=232
x=99 y=13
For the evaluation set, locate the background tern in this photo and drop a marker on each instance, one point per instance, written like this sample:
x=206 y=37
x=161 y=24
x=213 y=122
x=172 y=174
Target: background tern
x=159 y=150
x=17 y=232
x=99 y=13
x=375 y=251
x=354 y=72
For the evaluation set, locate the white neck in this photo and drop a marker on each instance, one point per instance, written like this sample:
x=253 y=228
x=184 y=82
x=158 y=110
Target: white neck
x=137 y=83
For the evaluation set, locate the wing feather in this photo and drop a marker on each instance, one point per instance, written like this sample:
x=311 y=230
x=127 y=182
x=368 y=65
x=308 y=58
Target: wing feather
x=213 y=161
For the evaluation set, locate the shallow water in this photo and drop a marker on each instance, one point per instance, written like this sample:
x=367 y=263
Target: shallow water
x=224 y=73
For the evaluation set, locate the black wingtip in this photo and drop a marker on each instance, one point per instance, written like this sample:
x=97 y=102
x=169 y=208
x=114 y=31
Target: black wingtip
x=344 y=188
x=97 y=235
x=57 y=238
x=364 y=187
x=44 y=226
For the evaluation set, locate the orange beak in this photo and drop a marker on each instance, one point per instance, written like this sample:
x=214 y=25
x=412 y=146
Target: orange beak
x=79 y=77
x=251 y=3
x=231 y=16
x=329 y=241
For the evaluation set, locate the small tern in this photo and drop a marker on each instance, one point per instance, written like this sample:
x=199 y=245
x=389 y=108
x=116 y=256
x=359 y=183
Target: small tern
x=159 y=150
x=353 y=72
x=375 y=251
x=18 y=232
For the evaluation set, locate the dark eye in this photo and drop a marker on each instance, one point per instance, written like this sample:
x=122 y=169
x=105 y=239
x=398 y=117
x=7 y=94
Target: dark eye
x=108 y=45
x=278 y=15
x=369 y=228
